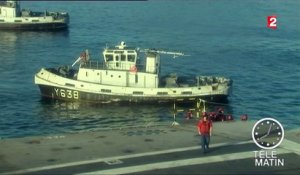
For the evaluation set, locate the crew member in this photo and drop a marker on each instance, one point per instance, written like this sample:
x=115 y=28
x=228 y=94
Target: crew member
x=205 y=131
x=189 y=115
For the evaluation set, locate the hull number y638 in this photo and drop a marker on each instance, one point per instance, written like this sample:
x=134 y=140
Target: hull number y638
x=66 y=93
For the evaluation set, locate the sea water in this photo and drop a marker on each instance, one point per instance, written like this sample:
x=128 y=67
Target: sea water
x=223 y=38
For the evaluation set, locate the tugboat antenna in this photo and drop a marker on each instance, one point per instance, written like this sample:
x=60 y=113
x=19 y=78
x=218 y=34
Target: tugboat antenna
x=175 y=54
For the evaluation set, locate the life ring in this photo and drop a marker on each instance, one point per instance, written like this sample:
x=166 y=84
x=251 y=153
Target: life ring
x=133 y=69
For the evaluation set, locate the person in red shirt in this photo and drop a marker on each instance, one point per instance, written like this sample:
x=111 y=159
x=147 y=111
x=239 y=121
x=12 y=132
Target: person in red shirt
x=205 y=131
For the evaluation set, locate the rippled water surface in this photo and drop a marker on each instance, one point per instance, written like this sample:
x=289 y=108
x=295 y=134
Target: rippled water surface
x=227 y=38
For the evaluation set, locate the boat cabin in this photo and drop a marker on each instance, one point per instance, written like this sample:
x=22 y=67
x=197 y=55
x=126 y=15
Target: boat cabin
x=120 y=57
x=121 y=66
x=10 y=9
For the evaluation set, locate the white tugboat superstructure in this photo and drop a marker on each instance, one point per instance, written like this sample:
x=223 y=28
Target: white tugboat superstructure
x=13 y=18
x=123 y=77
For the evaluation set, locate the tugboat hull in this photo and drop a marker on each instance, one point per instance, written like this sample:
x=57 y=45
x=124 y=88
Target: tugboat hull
x=65 y=94
x=55 y=86
x=34 y=27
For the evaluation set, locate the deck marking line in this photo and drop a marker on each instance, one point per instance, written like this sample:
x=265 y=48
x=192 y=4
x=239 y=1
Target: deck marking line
x=123 y=157
x=179 y=163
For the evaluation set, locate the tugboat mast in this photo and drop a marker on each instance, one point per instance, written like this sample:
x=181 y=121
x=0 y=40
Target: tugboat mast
x=175 y=54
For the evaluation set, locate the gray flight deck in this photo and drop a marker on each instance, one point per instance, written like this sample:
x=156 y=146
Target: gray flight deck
x=148 y=149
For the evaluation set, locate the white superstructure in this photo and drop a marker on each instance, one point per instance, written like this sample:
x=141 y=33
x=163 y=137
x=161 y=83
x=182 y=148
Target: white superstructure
x=124 y=76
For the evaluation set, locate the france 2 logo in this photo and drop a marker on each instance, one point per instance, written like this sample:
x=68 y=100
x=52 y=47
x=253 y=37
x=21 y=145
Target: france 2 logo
x=271 y=22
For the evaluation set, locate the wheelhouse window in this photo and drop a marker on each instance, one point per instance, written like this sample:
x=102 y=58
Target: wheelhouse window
x=123 y=58
x=118 y=52
x=109 y=57
x=131 y=58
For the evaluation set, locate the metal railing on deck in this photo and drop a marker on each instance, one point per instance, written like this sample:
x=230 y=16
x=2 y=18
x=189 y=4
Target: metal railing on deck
x=115 y=66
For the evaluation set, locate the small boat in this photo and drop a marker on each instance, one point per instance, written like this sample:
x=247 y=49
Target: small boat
x=13 y=18
x=125 y=76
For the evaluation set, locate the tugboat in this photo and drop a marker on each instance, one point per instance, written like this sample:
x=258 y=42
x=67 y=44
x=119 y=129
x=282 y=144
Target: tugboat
x=12 y=18
x=123 y=77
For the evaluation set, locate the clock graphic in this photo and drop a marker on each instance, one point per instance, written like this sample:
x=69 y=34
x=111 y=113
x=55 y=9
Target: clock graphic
x=267 y=133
